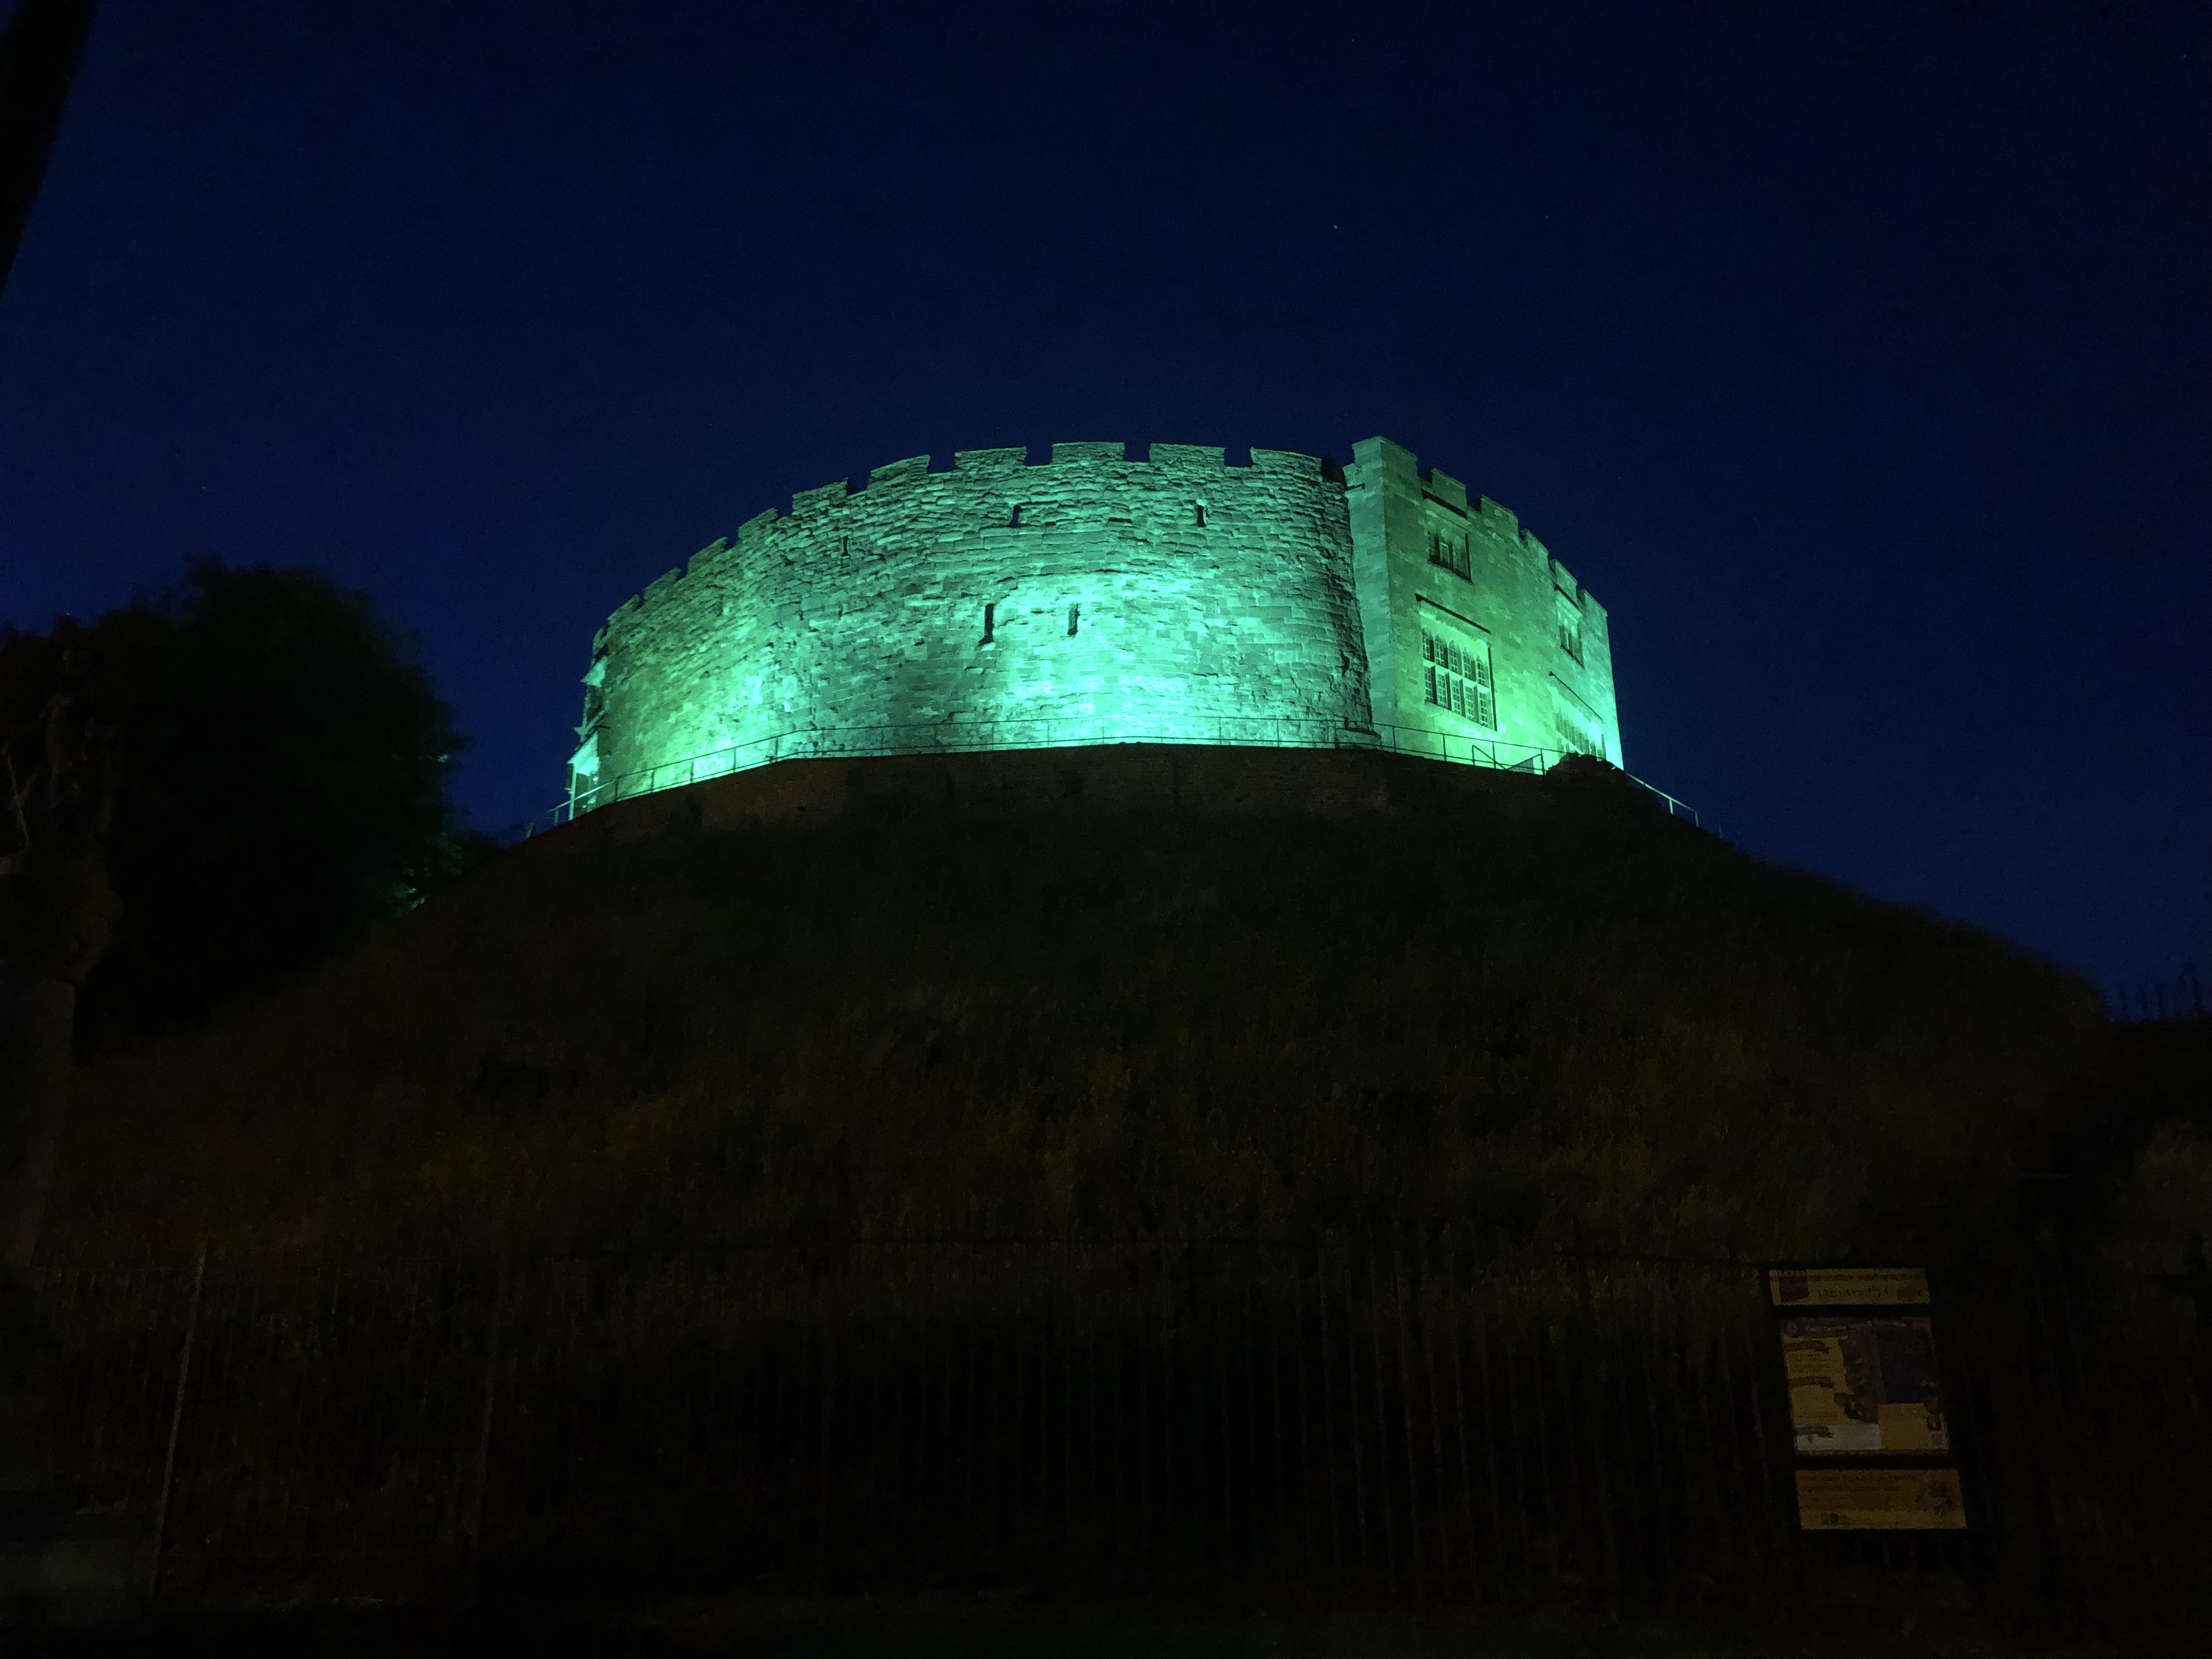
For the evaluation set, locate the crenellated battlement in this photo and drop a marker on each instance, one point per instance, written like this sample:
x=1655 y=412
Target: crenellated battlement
x=973 y=469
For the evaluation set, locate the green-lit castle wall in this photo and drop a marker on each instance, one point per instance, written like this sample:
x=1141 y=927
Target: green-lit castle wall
x=1429 y=560
x=1095 y=597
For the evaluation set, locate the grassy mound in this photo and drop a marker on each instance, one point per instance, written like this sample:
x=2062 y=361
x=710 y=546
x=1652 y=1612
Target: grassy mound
x=954 y=1007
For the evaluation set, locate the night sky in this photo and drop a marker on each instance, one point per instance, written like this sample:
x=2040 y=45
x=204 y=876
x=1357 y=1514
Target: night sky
x=1859 y=361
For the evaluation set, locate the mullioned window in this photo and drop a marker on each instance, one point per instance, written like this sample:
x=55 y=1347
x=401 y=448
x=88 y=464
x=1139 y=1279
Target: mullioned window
x=1455 y=676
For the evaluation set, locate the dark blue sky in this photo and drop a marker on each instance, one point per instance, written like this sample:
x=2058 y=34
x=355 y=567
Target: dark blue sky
x=1859 y=359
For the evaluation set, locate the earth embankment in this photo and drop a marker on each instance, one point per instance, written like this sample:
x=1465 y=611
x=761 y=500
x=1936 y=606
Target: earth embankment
x=1133 y=991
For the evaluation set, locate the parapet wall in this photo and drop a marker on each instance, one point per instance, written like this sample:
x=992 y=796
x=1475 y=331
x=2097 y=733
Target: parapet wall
x=1175 y=597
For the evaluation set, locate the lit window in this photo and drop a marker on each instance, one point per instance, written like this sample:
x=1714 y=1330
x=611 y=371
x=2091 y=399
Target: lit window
x=1571 y=628
x=1455 y=676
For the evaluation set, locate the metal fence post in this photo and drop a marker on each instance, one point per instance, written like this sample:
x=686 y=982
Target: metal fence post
x=483 y=1425
x=828 y=1350
x=176 y=1423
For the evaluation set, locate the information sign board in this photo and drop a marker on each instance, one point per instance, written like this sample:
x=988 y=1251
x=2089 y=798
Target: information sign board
x=1864 y=1383
x=1858 y=1359
x=1848 y=1287
x=1879 y=1500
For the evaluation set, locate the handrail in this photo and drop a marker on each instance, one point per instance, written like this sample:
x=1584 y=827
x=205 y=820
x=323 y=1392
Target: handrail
x=969 y=737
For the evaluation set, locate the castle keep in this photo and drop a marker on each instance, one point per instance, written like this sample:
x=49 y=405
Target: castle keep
x=1099 y=598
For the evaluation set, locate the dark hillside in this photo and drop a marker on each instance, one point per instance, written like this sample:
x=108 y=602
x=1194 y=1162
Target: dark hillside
x=1120 y=992
x=2141 y=1154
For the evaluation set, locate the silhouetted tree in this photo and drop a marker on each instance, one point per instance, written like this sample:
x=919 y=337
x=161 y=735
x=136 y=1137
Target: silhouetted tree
x=280 y=763
x=39 y=55
x=56 y=910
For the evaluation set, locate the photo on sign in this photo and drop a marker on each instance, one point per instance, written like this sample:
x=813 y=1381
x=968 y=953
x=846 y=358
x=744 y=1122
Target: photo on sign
x=1864 y=1384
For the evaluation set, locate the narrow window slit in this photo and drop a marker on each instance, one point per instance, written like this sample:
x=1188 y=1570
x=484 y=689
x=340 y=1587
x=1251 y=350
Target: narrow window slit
x=1074 y=614
x=990 y=614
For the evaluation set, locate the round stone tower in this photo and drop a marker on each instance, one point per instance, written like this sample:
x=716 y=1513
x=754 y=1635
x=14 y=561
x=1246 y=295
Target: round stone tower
x=1092 y=598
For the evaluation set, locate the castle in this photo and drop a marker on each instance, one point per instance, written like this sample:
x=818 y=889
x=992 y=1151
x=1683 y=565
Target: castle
x=1100 y=599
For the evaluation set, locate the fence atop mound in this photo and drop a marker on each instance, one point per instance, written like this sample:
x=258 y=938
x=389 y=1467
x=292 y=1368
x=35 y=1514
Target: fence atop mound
x=1343 y=1422
x=2176 y=996
x=976 y=737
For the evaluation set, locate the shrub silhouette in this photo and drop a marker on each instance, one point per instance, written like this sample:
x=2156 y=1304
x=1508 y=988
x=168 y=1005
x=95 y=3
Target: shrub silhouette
x=280 y=763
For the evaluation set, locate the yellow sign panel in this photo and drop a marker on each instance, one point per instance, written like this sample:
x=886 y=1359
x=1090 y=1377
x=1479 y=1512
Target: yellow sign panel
x=1860 y=1385
x=1881 y=1500
x=1848 y=1287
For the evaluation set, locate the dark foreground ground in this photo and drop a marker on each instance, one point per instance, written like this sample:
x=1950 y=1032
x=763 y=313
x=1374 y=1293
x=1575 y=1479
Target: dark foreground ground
x=866 y=1629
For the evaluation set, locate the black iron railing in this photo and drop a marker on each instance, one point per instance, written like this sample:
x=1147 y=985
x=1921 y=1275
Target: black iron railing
x=1362 y=1420
x=969 y=737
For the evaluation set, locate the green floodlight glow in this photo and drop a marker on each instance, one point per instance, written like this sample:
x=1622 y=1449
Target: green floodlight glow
x=1096 y=598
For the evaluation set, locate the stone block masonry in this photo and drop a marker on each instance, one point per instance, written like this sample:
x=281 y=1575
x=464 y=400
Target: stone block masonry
x=1435 y=569
x=1096 y=598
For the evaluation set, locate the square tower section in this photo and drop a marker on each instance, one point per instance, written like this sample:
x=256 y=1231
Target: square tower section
x=1480 y=646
